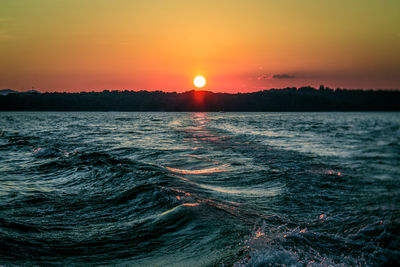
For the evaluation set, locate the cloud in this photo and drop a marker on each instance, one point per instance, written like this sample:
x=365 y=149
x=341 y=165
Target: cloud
x=283 y=76
x=275 y=76
x=264 y=77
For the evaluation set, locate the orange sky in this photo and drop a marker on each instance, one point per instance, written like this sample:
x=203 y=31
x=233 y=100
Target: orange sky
x=83 y=45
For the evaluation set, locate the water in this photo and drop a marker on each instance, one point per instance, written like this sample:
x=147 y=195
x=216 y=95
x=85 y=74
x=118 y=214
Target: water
x=200 y=189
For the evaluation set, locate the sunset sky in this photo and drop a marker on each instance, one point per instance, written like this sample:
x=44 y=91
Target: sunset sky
x=238 y=46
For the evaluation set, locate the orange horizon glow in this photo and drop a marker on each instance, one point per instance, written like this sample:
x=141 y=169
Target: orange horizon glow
x=74 y=46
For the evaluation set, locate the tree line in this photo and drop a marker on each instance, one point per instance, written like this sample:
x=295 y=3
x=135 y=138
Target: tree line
x=287 y=99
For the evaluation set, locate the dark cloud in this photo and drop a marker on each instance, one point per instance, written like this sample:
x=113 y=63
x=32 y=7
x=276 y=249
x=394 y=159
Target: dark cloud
x=283 y=76
x=264 y=77
x=275 y=76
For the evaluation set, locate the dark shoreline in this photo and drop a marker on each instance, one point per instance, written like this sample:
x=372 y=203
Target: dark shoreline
x=288 y=99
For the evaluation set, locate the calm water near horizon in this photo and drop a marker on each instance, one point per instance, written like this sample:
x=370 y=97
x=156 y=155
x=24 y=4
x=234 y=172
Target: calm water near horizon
x=200 y=189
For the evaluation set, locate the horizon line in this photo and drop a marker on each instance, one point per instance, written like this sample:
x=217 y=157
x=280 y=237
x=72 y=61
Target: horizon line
x=197 y=90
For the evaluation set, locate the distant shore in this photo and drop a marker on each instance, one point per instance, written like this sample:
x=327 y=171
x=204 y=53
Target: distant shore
x=287 y=99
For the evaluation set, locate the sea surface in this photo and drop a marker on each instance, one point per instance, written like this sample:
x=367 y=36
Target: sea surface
x=199 y=189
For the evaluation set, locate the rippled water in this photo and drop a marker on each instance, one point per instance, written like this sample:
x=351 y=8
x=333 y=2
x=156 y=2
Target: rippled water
x=200 y=189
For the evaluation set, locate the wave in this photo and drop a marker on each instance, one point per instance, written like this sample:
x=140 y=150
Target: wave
x=205 y=189
x=222 y=168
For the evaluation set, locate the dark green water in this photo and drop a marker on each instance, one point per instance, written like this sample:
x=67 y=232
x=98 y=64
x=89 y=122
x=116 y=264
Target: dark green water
x=200 y=189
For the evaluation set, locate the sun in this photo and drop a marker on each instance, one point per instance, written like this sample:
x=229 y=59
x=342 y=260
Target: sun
x=199 y=81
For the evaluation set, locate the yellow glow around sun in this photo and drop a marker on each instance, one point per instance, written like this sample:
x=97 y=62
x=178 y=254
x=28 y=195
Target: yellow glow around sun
x=199 y=81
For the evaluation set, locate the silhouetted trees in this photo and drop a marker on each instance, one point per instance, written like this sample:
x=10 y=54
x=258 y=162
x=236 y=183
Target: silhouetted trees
x=287 y=99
